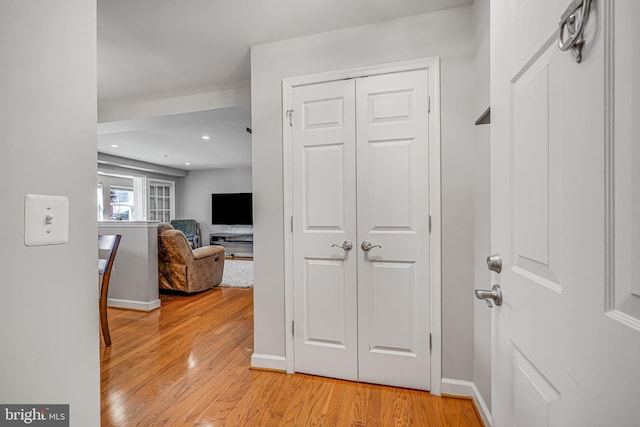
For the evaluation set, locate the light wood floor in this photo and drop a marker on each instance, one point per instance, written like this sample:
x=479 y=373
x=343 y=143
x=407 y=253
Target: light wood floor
x=187 y=364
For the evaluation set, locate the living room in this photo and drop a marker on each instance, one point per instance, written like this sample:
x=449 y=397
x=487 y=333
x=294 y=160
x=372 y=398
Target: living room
x=196 y=153
x=192 y=166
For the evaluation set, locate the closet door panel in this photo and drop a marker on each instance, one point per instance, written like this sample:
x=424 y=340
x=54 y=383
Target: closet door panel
x=393 y=216
x=324 y=211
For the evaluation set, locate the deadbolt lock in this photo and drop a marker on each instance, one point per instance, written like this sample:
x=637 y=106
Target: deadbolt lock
x=494 y=263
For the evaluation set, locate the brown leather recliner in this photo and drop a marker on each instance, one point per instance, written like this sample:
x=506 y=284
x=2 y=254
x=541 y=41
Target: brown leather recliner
x=181 y=268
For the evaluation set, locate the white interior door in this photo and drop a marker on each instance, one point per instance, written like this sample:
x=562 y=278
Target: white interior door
x=393 y=212
x=324 y=209
x=566 y=340
x=362 y=314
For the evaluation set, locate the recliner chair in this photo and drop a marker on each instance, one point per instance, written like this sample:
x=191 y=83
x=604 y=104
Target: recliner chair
x=181 y=268
x=191 y=229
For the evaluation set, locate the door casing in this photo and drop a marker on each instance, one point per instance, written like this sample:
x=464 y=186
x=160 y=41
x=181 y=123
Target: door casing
x=432 y=64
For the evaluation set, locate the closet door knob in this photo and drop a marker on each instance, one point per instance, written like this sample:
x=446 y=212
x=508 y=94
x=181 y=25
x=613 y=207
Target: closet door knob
x=367 y=246
x=347 y=245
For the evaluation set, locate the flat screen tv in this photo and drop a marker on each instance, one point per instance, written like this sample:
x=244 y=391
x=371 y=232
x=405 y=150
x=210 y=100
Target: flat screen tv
x=232 y=209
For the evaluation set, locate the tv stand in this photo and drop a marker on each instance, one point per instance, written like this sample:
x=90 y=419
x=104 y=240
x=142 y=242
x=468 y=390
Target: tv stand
x=236 y=244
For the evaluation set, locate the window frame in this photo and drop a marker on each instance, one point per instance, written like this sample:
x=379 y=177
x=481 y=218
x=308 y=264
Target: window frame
x=131 y=204
x=156 y=213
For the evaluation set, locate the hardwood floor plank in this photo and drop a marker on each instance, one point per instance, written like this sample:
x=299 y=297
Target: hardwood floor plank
x=316 y=407
x=228 y=398
x=256 y=402
x=296 y=405
x=342 y=404
x=402 y=411
x=455 y=412
x=360 y=410
x=187 y=364
x=423 y=409
x=287 y=404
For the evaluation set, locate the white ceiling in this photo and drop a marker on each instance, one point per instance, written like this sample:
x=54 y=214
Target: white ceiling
x=153 y=49
x=177 y=139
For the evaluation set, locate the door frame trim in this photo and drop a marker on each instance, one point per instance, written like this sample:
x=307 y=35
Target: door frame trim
x=432 y=64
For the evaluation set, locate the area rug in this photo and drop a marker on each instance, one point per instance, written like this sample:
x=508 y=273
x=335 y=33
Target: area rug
x=237 y=273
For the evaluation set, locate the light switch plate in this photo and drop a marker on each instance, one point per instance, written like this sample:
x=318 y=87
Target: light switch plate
x=46 y=220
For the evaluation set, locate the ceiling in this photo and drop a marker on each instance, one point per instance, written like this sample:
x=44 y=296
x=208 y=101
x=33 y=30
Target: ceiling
x=154 y=49
x=177 y=140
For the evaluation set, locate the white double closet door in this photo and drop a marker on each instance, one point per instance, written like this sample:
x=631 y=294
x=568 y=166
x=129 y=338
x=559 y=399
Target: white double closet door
x=360 y=173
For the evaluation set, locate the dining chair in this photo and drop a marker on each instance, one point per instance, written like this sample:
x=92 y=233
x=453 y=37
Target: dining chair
x=107 y=248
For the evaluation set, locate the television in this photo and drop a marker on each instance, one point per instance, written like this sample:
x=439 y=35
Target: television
x=232 y=209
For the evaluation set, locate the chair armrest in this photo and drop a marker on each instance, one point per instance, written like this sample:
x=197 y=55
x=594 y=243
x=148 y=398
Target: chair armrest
x=208 y=251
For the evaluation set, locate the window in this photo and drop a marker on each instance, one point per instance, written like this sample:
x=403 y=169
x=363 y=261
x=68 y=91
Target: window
x=135 y=198
x=121 y=203
x=161 y=200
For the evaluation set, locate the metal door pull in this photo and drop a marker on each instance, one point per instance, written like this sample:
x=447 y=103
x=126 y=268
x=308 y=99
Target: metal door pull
x=495 y=295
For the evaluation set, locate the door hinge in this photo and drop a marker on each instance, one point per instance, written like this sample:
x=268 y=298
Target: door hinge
x=430 y=344
x=429 y=224
x=289 y=113
x=293 y=327
x=291 y=223
x=428 y=104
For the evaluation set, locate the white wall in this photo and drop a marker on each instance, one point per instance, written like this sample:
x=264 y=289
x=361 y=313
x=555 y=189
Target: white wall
x=49 y=294
x=448 y=34
x=198 y=186
x=481 y=206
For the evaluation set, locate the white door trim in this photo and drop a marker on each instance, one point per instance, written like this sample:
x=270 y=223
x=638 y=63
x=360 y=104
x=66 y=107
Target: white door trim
x=435 y=247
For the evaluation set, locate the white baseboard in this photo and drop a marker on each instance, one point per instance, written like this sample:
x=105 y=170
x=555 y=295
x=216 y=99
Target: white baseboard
x=268 y=361
x=133 y=305
x=469 y=389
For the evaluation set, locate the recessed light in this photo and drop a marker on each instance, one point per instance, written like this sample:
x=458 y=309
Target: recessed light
x=206 y=137
x=187 y=163
x=115 y=146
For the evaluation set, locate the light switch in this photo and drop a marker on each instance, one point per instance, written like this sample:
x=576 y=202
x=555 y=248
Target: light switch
x=46 y=220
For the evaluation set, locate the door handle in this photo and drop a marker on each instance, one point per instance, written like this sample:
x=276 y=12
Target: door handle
x=495 y=295
x=347 y=245
x=367 y=246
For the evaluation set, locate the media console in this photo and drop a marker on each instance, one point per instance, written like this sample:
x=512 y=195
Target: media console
x=236 y=244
